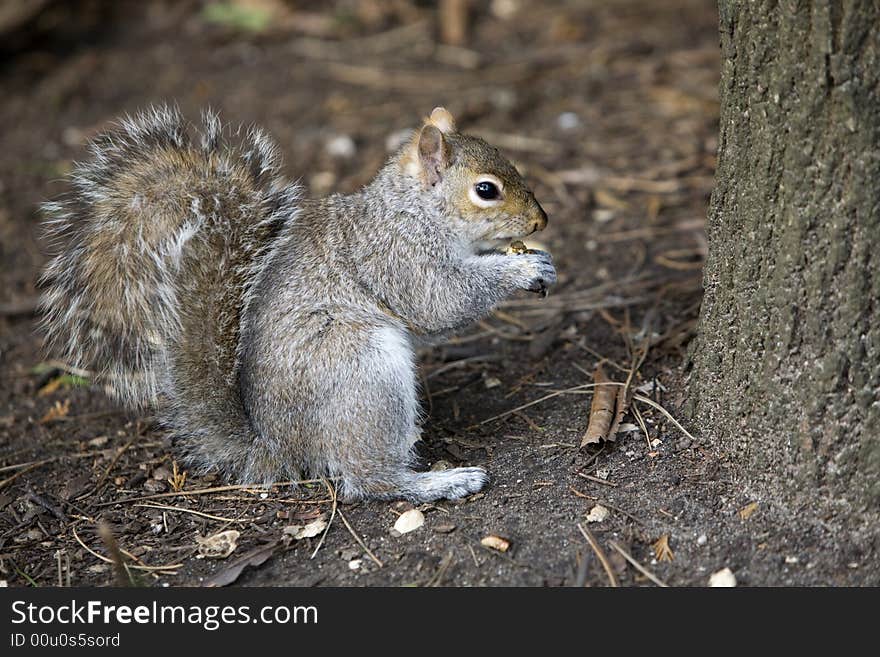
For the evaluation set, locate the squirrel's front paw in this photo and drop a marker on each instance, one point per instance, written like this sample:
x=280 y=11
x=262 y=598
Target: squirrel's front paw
x=540 y=272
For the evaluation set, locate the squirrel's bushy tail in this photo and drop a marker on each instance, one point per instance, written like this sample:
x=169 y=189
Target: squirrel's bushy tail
x=157 y=247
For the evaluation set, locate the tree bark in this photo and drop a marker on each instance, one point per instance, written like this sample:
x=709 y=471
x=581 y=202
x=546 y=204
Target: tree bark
x=786 y=372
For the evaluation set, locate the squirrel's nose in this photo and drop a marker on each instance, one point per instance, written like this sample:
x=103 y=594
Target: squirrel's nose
x=539 y=221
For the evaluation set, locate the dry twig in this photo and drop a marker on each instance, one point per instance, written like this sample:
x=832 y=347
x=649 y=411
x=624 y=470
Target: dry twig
x=201 y=514
x=600 y=554
x=555 y=393
x=644 y=571
x=332 y=491
x=651 y=402
x=358 y=539
x=597 y=480
x=169 y=567
x=453 y=21
x=205 y=491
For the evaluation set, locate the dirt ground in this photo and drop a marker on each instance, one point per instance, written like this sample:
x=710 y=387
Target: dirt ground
x=609 y=108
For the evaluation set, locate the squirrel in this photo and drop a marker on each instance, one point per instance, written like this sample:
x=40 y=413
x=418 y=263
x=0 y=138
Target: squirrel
x=275 y=334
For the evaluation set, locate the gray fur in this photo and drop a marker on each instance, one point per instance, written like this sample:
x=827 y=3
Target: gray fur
x=276 y=335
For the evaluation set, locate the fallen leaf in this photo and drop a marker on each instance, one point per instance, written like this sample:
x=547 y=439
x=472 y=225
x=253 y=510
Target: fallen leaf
x=601 y=408
x=58 y=411
x=622 y=406
x=495 y=543
x=253 y=558
x=218 y=546
x=66 y=380
x=724 y=578
x=746 y=512
x=607 y=410
x=662 y=551
x=409 y=521
x=597 y=514
x=297 y=532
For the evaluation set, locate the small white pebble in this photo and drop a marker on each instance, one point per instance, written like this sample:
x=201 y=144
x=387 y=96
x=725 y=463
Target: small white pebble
x=491 y=382
x=355 y=564
x=597 y=514
x=791 y=559
x=341 y=146
x=604 y=215
x=568 y=121
x=724 y=578
x=702 y=539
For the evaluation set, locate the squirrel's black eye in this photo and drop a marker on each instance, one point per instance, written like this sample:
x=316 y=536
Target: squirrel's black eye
x=487 y=191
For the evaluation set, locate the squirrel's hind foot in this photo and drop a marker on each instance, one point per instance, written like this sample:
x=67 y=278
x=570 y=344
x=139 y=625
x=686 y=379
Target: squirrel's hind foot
x=452 y=484
x=418 y=487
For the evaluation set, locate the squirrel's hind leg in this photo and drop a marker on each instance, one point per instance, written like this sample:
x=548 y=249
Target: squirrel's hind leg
x=369 y=445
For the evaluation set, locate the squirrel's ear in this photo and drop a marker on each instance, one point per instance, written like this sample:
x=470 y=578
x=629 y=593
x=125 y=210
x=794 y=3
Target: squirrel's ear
x=434 y=153
x=442 y=120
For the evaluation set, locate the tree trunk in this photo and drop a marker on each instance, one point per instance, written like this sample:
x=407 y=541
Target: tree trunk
x=786 y=372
